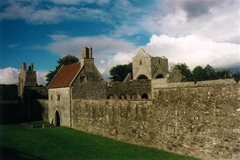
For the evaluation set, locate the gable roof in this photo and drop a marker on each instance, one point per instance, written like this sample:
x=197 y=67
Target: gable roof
x=65 y=76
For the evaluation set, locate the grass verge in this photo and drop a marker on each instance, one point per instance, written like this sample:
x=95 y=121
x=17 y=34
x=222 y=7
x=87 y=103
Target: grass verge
x=63 y=143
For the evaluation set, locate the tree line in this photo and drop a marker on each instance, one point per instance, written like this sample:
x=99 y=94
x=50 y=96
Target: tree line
x=208 y=73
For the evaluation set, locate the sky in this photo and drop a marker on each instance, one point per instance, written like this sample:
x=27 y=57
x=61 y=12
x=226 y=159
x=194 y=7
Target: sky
x=195 y=32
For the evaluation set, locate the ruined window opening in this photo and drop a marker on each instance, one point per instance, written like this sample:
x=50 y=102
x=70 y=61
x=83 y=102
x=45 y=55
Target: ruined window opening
x=140 y=62
x=142 y=77
x=159 y=76
x=51 y=97
x=144 y=96
x=58 y=97
x=83 y=79
x=110 y=97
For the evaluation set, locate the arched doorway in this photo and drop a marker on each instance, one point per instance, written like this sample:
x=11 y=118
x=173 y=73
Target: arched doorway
x=159 y=76
x=142 y=77
x=57 y=119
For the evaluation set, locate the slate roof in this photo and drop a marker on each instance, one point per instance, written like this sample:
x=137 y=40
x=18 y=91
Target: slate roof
x=65 y=76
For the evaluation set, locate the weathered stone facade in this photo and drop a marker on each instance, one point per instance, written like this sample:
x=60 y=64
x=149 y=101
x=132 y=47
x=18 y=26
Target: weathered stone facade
x=59 y=103
x=89 y=83
x=129 y=90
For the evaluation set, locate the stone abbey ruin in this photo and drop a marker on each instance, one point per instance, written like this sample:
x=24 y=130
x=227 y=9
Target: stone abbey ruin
x=151 y=107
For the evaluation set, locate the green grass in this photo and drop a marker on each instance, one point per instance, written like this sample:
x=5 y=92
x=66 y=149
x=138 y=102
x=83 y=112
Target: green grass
x=64 y=143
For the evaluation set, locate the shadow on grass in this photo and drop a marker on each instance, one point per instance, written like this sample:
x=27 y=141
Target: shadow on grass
x=10 y=154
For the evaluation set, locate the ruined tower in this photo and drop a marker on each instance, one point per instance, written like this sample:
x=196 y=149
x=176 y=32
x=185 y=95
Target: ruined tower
x=147 y=67
x=27 y=78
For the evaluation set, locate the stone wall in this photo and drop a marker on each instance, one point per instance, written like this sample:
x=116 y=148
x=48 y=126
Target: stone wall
x=129 y=90
x=200 y=120
x=44 y=104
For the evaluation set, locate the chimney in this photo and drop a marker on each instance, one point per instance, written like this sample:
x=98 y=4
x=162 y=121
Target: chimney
x=87 y=56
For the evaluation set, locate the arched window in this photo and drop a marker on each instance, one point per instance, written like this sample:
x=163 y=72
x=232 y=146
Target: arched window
x=142 y=77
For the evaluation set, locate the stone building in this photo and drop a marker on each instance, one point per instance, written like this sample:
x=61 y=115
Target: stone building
x=76 y=81
x=147 y=67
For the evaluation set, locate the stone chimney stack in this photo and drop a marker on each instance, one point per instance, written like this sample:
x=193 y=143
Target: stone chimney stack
x=87 y=56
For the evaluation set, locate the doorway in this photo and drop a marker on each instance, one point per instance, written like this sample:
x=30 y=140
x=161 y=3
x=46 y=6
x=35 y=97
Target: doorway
x=57 y=119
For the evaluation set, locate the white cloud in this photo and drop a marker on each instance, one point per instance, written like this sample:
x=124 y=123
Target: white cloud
x=107 y=51
x=103 y=47
x=118 y=58
x=217 y=20
x=195 y=50
x=9 y=75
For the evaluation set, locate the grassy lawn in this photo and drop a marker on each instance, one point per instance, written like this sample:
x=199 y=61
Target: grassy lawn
x=21 y=143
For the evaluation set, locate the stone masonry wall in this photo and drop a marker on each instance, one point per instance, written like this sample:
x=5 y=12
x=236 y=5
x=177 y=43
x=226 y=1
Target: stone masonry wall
x=44 y=104
x=199 y=120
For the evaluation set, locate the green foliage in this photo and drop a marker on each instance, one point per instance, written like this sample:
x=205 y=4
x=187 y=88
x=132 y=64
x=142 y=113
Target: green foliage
x=186 y=72
x=236 y=76
x=198 y=73
x=69 y=59
x=64 y=143
x=223 y=74
x=210 y=73
x=119 y=72
x=207 y=73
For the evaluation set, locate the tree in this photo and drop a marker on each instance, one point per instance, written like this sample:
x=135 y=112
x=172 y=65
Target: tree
x=198 y=73
x=236 y=76
x=223 y=74
x=119 y=72
x=186 y=72
x=210 y=73
x=69 y=59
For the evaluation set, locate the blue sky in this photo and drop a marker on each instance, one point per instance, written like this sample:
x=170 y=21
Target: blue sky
x=196 y=32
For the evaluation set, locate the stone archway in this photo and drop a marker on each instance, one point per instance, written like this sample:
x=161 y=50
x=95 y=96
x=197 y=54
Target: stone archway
x=57 y=118
x=159 y=76
x=142 y=76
